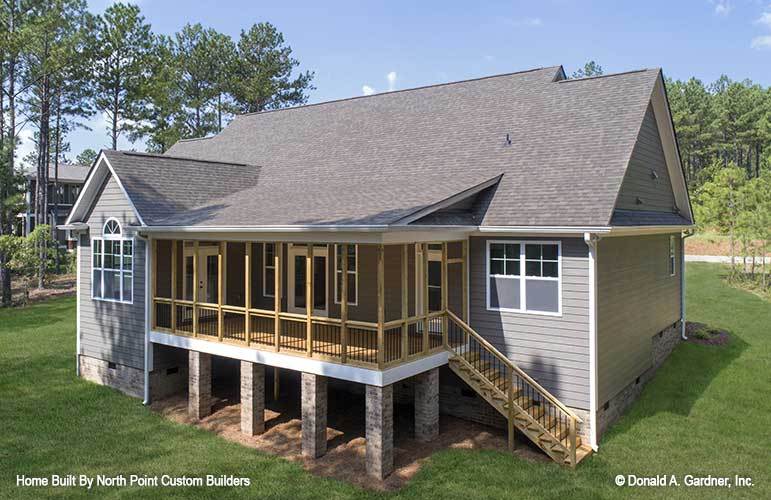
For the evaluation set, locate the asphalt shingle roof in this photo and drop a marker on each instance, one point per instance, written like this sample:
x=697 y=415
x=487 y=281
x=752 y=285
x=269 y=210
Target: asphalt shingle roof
x=373 y=160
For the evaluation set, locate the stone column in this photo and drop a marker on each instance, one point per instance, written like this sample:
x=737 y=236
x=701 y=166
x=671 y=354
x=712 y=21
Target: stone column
x=380 y=431
x=427 y=405
x=252 y=398
x=199 y=385
x=314 y=415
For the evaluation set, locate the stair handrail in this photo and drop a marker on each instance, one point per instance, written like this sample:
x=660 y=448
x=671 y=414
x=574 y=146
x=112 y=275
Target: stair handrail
x=506 y=361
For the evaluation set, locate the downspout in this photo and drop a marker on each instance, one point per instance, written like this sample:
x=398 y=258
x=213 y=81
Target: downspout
x=591 y=241
x=683 y=236
x=77 y=307
x=148 y=357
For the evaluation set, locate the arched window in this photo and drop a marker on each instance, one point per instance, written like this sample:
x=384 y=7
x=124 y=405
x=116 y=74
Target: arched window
x=111 y=228
x=113 y=264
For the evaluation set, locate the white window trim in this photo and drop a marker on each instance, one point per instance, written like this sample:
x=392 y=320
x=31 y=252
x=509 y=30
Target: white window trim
x=672 y=263
x=265 y=267
x=522 y=278
x=355 y=272
x=121 y=239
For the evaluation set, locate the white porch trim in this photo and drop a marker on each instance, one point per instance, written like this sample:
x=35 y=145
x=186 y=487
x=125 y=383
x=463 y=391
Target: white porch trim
x=307 y=365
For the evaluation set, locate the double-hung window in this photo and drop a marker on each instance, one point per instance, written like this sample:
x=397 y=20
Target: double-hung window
x=352 y=274
x=113 y=265
x=524 y=277
x=269 y=269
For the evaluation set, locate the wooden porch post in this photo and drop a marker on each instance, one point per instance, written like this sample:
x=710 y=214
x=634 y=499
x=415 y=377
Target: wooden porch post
x=309 y=298
x=277 y=292
x=343 y=300
x=247 y=291
x=464 y=281
x=154 y=280
x=173 y=285
x=221 y=263
x=405 y=300
x=195 y=288
x=445 y=293
x=380 y=303
x=424 y=291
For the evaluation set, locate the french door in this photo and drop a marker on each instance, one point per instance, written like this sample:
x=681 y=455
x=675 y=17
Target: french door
x=296 y=279
x=208 y=274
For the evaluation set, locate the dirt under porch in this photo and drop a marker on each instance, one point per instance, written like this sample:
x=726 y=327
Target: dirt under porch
x=344 y=459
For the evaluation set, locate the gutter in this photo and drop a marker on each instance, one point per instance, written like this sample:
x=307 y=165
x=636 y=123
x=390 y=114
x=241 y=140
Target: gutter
x=683 y=236
x=592 y=240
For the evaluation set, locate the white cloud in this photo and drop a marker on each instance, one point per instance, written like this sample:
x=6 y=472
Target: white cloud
x=761 y=42
x=723 y=7
x=391 y=77
x=764 y=19
x=367 y=90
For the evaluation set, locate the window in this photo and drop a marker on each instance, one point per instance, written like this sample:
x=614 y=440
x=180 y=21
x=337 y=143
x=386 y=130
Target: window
x=113 y=265
x=353 y=274
x=524 y=277
x=269 y=269
x=672 y=246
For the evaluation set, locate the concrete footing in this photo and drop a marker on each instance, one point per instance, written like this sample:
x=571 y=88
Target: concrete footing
x=380 y=431
x=314 y=415
x=252 y=398
x=199 y=385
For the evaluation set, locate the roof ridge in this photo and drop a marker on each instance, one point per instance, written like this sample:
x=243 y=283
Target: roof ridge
x=597 y=77
x=191 y=139
x=182 y=158
x=381 y=94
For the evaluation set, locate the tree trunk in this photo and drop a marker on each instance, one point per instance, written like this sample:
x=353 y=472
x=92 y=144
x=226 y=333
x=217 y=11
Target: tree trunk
x=5 y=273
x=57 y=148
x=115 y=110
x=219 y=112
x=43 y=161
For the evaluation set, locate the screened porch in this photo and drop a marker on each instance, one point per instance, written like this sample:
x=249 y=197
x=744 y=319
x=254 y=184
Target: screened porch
x=369 y=305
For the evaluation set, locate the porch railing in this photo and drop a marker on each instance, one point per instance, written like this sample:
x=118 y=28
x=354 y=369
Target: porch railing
x=358 y=343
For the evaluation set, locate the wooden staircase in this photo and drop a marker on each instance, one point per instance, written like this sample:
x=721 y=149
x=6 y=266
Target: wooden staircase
x=526 y=405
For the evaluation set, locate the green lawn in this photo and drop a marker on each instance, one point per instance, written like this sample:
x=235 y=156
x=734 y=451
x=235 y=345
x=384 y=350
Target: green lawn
x=706 y=412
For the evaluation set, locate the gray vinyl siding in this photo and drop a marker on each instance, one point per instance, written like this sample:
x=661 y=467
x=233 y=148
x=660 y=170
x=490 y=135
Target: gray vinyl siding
x=636 y=299
x=112 y=331
x=554 y=350
x=647 y=155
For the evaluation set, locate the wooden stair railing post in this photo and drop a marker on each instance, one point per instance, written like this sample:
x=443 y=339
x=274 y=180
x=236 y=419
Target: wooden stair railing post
x=444 y=294
x=380 y=304
x=277 y=292
x=424 y=291
x=343 y=300
x=573 y=442
x=309 y=299
x=247 y=291
x=509 y=373
x=405 y=301
x=221 y=263
x=195 y=288
x=173 y=285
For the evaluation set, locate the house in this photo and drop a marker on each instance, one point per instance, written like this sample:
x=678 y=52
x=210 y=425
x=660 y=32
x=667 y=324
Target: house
x=61 y=197
x=505 y=249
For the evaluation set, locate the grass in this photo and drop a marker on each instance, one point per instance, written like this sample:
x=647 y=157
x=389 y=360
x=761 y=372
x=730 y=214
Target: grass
x=707 y=411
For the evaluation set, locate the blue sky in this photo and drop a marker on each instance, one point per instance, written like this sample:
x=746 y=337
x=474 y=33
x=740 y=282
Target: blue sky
x=358 y=47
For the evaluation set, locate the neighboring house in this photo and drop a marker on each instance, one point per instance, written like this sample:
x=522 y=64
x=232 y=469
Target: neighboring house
x=519 y=235
x=71 y=179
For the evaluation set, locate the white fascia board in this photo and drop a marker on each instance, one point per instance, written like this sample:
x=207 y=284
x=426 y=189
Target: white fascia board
x=663 y=117
x=93 y=181
x=307 y=365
